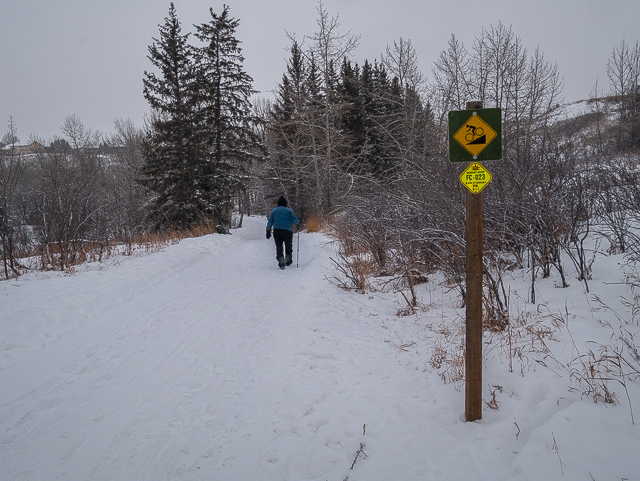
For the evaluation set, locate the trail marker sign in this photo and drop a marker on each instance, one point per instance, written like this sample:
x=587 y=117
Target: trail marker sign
x=475 y=177
x=475 y=135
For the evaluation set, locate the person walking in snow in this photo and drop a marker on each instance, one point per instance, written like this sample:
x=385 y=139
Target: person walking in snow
x=281 y=219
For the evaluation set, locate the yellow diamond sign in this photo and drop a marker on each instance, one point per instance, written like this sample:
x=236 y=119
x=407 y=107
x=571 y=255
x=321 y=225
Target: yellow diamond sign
x=475 y=177
x=475 y=134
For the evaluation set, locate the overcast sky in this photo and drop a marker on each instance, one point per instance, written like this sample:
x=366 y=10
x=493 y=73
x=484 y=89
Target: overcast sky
x=87 y=57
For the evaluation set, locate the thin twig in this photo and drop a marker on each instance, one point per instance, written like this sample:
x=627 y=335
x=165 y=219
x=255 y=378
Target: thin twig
x=357 y=455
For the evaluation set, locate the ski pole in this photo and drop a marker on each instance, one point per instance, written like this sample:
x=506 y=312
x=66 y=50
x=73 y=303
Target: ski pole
x=298 y=249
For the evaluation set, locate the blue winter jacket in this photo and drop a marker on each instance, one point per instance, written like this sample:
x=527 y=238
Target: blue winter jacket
x=281 y=218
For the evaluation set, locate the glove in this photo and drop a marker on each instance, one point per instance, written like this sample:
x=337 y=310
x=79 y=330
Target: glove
x=268 y=234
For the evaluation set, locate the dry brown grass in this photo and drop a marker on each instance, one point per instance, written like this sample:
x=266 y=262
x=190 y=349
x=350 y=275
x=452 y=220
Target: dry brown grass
x=155 y=241
x=447 y=350
x=65 y=256
x=353 y=272
x=316 y=224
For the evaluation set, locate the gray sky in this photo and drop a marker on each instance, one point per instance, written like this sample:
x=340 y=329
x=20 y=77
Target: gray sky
x=87 y=57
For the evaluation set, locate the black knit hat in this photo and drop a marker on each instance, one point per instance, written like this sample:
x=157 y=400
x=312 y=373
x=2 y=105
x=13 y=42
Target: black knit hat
x=282 y=201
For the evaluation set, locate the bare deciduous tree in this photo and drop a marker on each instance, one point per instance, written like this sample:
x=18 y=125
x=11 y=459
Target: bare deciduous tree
x=69 y=202
x=623 y=70
x=10 y=171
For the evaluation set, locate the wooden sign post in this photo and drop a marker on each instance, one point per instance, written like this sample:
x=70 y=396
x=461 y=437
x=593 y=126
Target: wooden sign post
x=475 y=135
x=475 y=267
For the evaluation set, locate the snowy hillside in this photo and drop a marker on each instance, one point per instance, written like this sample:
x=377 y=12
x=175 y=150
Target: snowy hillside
x=206 y=362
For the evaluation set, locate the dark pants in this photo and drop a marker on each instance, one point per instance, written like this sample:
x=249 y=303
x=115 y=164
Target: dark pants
x=283 y=236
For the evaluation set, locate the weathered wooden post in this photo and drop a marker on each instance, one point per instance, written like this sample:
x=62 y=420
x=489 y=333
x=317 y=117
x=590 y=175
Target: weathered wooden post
x=471 y=132
x=475 y=266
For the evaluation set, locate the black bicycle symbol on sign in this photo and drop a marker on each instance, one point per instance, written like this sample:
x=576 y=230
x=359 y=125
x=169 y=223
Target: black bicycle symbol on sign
x=473 y=132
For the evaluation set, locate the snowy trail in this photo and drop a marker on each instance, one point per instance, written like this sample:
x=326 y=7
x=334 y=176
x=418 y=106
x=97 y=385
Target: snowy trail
x=179 y=347
x=206 y=362
x=225 y=368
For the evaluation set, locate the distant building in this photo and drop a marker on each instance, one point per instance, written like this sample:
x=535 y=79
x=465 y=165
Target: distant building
x=32 y=148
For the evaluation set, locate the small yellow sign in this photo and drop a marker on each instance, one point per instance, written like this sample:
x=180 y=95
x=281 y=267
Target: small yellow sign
x=475 y=134
x=475 y=177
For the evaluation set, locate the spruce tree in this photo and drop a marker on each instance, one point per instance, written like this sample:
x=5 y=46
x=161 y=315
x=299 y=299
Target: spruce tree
x=288 y=130
x=389 y=121
x=172 y=147
x=227 y=120
x=353 y=119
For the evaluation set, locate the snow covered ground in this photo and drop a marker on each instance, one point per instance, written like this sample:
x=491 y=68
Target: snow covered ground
x=206 y=362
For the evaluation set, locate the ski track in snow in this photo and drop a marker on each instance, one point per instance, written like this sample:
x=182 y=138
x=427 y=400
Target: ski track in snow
x=213 y=364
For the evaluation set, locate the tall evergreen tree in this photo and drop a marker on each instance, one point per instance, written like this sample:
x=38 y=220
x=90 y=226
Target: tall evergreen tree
x=353 y=119
x=289 y=133
x=296 y=132
x=172 y=147
x=228 y=120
